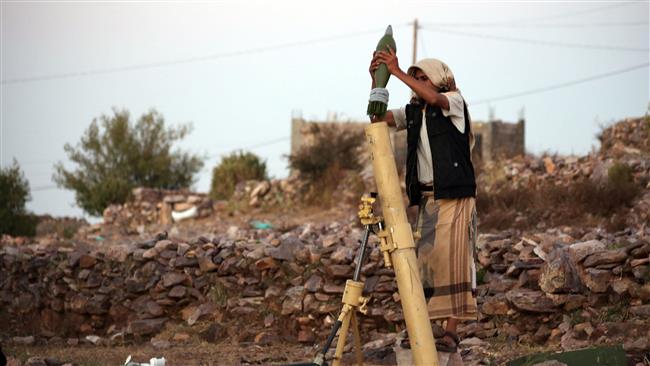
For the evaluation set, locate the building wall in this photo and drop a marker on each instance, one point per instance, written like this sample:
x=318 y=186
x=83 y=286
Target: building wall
x=498 y=139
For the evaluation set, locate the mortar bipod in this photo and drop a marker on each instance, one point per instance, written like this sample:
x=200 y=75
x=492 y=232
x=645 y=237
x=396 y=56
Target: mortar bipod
x=353 y=299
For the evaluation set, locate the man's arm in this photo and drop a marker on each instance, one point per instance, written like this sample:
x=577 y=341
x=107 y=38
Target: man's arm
x=421 y=88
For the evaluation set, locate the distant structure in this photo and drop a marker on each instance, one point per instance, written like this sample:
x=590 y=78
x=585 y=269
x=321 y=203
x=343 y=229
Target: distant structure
x=493 y=140
x=302 y=132
x=497 y=139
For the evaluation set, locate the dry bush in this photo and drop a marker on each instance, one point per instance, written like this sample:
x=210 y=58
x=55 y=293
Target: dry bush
x=329 y=165
x=63 y=227
x=581 y=202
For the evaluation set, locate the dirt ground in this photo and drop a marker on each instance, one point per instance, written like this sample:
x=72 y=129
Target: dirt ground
x=204 y=354
x=227 y=354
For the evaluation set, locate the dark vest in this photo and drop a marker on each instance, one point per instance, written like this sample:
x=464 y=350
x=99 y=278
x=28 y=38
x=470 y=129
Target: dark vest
x=453 y=172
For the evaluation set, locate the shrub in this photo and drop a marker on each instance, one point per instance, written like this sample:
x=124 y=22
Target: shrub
x=327 y=161
x=580 y=202
x=114 y=156
x=620 y=175
x=14 y=193
x=331 y=147
x=237 y=167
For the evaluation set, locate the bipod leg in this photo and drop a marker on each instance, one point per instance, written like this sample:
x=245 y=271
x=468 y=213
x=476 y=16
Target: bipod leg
x=357 y=339
x=344 y=318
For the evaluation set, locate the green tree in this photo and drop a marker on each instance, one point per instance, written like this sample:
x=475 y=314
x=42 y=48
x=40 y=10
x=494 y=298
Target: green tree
x=237 y=167
x=14 y=193
x=114 y=156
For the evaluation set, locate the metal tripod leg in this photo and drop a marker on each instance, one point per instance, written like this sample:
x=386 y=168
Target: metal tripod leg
x=352 y=302
x=357 y=339
x=344 y=318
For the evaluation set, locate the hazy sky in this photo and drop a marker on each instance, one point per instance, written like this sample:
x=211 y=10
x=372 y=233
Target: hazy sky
x=215 y=64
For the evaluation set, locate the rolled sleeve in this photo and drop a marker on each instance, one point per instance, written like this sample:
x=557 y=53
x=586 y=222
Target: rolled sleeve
x=456 y=110
x=455 y=105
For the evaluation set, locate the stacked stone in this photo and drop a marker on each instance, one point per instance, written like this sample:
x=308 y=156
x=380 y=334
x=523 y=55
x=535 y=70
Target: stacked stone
x=269 y=193
x=544 y=287
x=293 y=191
x=295 y=278
x=551 y=287
x=155 y=206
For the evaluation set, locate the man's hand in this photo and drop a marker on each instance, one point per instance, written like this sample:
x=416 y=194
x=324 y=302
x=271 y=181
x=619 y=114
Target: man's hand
x=390 y=59
x=374 y=65
x=387 y=117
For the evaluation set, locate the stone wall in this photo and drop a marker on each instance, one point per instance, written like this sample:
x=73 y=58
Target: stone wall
x=148 y=206
x=497 y=139
x=551 y=286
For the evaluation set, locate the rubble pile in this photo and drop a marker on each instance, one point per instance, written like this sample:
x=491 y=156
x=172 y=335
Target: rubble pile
x=629 y=137
x=295 y=190
x=626 y=142
x=157 y=206
x=269 y=193
x=624 y=146
x=574 y=288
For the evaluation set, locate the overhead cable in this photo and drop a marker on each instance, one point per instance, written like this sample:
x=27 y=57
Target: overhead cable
x=539 y=25
x=157 y=64
x=535 y=41
x=560 y=85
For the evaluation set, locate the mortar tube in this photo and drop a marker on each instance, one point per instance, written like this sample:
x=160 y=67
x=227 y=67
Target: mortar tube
x=404 y=260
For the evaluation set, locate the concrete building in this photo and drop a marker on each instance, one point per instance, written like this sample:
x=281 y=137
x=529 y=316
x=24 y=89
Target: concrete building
x=498 y=139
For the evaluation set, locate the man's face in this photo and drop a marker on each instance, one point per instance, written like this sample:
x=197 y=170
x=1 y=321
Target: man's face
x=420 y=75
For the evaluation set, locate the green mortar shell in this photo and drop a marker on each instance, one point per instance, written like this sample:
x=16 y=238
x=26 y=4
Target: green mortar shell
x=382 y=74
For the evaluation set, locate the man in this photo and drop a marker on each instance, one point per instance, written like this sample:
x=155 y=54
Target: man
x=440 y=179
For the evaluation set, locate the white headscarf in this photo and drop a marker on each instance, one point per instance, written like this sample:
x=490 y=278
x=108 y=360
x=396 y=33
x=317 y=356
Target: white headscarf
x=437 y=71
x=441 y=76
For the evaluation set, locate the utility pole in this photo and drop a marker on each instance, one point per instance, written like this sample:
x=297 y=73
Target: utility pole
x=415 y=41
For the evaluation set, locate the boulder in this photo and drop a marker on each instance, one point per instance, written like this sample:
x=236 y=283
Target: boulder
x=605 y=257
x=579 y=251
x=173 y=278
x=597 y=280
x=530 y=300
x=146 y=326
x=559 y=274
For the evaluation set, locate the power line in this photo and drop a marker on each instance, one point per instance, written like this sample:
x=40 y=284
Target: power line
x=215 y=56
x=43 y=188
x=571 y=14
x=249 y=147
x=543 y=25
x=255 y=146
x=535 y=41
x=561 y=85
